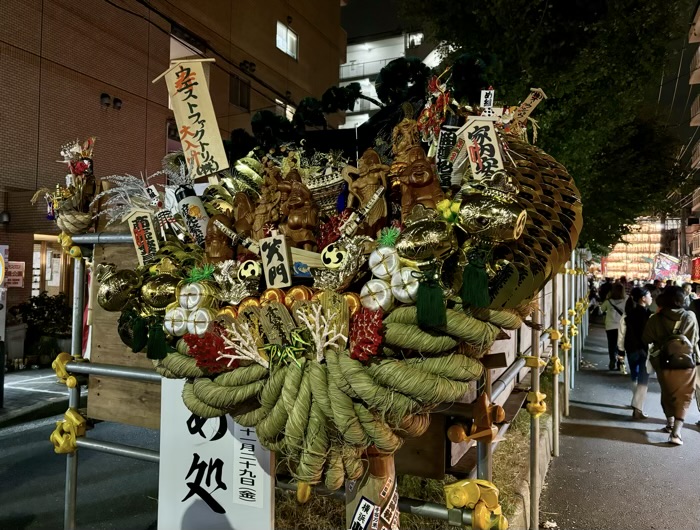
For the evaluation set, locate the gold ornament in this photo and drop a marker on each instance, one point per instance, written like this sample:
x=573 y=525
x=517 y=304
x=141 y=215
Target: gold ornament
x=116 y=287
x=272 y=295
x=158 y=292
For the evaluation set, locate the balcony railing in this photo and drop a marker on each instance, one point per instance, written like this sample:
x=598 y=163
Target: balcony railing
x=696 y=201
x=695 y=159
x=352 y=70
x=694 y=32
x=362 y=105
x=695 y=113
x=695 y=68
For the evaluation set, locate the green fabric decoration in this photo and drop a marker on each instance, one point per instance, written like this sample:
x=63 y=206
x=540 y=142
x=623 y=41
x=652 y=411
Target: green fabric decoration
x=431 y=302
x=475 y=281
x=140 y=334
x=388 y=236
x=157 y=344
x=198 y=274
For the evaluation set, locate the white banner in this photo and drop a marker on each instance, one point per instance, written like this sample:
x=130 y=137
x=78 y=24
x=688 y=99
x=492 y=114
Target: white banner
x=195 y=117
x=214 y=474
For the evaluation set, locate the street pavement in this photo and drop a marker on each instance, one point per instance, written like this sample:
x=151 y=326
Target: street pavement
x=32 y=394
x=616 y=473
x=113 y=492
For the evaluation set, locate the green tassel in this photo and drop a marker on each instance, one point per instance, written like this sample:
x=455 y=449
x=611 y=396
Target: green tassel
x=431 y=302
x=475 y=285
x=157 y=344
x=140 y=333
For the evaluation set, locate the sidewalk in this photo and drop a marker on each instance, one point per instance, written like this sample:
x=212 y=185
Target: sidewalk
x=32 y=394
x=616 y=473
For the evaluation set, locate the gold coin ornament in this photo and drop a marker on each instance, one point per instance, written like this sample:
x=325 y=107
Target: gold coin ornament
x=375 y=315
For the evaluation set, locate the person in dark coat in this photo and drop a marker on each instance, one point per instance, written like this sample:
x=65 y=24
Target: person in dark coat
x=636 y=315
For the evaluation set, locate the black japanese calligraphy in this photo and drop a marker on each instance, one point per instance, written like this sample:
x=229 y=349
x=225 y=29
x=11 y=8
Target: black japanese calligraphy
x=195 y=424
x=203 y=472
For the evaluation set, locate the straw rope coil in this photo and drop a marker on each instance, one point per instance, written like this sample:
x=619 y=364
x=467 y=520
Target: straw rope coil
x=321 y=417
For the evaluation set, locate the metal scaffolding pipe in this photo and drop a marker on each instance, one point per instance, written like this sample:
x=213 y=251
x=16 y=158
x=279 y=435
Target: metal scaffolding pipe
x=484 y=449
x=573 y=340
x=71 y=492
x=102 y=238
x=499 y=386
x=565 y=336
x=113 y=370
x=76 y=339
x=555 y=376
x=535 y=430
x=112 y=448
x=429 y=510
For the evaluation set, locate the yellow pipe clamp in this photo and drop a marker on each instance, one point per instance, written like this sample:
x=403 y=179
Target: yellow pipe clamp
x=64 y=436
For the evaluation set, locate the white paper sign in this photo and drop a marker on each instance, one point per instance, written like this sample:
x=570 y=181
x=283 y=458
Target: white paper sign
x=483 y=147
x=14 y=274
x=214 y=474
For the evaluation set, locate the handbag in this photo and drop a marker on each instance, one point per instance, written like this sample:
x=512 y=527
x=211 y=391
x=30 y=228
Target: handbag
x=677 y=351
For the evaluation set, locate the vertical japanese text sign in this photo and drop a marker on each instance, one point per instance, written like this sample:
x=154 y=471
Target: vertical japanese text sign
x=143 y=233
x=483 y=146
x=195 y=117
x=526 y=107
x=276 y=261
x=214 y=474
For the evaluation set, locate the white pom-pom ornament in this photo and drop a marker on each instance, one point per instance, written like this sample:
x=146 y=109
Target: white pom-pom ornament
x=404 y=285
x=384 y=262
x=376 y=294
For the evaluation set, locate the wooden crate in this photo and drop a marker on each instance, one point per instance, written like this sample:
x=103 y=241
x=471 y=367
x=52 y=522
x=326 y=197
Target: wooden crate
x=111 y=399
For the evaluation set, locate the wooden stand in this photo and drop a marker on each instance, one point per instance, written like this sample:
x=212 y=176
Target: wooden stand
x=373 y=501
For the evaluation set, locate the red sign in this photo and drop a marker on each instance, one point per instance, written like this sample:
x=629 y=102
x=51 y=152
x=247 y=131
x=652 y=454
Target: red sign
x=695 y=270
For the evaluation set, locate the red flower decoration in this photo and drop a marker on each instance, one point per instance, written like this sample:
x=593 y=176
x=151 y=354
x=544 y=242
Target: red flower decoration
x=206 y=350
x=78 y=168
x=365 y=337
x=329 y=232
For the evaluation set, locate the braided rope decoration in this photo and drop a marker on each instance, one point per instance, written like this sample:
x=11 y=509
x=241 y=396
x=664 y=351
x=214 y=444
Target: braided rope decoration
x=320 y=417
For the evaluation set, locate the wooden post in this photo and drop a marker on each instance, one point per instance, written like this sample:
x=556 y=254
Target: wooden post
x=372 y=503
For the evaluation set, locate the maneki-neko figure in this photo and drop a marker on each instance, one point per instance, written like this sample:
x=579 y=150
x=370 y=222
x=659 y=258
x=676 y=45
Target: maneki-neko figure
x=419 y=183
x=302 y=217
x=371 y=174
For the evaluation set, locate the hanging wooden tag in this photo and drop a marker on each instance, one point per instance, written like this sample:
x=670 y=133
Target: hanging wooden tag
x=143 y=233
x=276 y=260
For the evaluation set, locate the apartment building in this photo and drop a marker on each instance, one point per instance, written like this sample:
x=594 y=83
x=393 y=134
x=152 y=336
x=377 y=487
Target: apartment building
x=79 y=69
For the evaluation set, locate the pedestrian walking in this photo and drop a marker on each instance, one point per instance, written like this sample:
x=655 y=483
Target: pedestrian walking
x=688 y=294
x=695 y=308
x=614 y=308
x=673 y=332
x=630 y=341
x=604 y=289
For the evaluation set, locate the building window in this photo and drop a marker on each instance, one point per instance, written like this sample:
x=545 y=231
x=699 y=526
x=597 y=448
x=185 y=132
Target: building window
x=414 y=39
x=287 y=40
x=239 y=92
x=282 y=109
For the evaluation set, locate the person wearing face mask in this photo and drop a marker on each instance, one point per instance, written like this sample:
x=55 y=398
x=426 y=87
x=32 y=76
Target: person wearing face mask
x=630 y=341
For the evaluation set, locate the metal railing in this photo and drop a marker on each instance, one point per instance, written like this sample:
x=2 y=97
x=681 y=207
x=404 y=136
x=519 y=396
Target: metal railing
x=572 y=291
x=352 y=70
